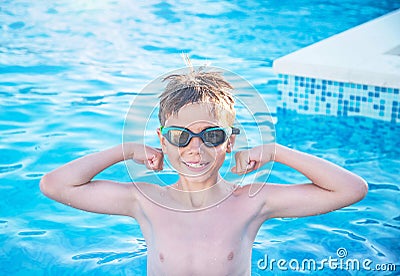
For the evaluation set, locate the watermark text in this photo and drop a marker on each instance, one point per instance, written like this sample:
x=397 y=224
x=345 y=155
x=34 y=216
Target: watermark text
x=339 y=262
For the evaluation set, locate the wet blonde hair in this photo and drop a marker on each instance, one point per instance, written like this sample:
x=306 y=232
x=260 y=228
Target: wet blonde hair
x=197 y=86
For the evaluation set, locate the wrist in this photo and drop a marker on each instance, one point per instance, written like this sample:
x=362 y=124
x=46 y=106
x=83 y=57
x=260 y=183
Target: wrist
x=281 y=153
x=268 y=152
x=128 y=150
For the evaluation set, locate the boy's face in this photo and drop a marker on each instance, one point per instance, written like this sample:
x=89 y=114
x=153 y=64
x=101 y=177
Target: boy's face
x=196 y=161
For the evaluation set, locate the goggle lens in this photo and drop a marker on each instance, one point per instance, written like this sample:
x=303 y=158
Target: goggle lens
x=211 y=137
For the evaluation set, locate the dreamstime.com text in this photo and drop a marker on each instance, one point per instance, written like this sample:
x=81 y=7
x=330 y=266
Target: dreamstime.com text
x=341 y=262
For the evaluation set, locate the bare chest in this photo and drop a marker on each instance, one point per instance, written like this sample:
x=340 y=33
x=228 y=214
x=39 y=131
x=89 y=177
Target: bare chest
x=215 y=241
x=199 y=250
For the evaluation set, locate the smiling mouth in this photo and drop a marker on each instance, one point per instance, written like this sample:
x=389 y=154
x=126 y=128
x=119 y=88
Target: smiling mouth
x=196 y=165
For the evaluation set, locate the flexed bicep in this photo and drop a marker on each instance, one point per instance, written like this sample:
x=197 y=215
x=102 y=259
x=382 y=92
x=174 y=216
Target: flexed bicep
x=73 y=183
x=98 y=196
x=300 y=200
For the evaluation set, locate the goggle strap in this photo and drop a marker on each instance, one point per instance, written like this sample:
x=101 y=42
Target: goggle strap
x=235 y=130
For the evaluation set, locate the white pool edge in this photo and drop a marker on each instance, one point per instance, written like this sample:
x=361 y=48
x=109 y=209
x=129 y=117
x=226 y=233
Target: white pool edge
x=367 y=54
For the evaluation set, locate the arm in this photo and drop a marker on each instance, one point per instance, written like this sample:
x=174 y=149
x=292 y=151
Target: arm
x=72 y=183
x=332 y=187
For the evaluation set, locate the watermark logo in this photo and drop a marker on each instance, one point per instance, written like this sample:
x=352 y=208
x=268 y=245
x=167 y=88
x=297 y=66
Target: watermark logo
x=339 y=262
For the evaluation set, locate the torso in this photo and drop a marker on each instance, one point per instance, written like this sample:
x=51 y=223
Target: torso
x=214 y=241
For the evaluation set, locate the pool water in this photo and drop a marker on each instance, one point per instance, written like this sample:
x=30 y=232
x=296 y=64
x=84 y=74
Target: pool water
x=68 y=73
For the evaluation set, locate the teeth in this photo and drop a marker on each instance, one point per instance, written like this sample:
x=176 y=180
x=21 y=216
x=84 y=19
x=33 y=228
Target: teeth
x=195 y=165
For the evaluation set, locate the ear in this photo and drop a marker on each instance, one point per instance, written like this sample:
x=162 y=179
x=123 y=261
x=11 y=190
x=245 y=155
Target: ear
x=231 y=142
x=162 y=140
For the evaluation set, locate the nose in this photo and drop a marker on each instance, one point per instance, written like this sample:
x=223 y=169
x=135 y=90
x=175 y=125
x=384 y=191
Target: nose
x=194 y=145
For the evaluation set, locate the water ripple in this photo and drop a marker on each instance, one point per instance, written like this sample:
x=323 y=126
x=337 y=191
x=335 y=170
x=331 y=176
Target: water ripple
x=391 y=226
x=10 y=168
x=350 y=235
x=36 y=69
x=109 y=257
x=17 y=25
x=380 y=186
x=368 y=221
x=378 y=252
x=32 y=233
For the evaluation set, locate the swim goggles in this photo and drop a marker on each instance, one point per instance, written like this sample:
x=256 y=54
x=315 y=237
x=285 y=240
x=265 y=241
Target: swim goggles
x=211 y=137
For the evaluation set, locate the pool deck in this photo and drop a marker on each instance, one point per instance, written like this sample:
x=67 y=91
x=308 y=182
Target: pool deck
x=367 y=54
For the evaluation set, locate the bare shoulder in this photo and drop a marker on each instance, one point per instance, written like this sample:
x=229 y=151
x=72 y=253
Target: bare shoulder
x=146 y=187
x=256 y=191
x=147 y=192
x=255 y=195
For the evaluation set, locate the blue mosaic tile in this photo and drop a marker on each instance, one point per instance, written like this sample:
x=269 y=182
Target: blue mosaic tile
x=317 y=96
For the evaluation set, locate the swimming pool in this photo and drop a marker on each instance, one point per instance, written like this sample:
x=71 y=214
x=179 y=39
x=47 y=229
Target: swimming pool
x=69 y=70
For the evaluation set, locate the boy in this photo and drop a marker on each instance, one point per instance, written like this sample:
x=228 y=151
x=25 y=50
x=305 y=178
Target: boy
x=197 y=115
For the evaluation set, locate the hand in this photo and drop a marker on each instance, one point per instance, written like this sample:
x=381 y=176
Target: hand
x=152 y=158
x=254 y=158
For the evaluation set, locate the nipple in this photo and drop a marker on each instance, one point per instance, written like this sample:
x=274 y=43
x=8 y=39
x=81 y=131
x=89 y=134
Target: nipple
x=161 y=256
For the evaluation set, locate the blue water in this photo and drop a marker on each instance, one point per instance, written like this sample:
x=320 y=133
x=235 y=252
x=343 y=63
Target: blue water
x=68 y=73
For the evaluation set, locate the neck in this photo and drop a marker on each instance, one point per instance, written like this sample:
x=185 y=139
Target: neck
x=195 y=195
x=191 y=184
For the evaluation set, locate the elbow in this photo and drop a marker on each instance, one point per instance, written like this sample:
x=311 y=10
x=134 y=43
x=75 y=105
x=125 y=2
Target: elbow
x=46 y=186
x=360 y=189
